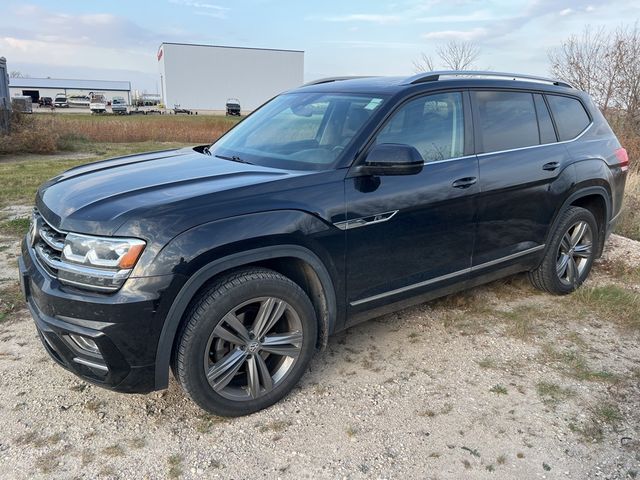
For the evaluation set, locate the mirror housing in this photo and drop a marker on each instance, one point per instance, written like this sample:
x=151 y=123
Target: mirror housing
x=392 y=159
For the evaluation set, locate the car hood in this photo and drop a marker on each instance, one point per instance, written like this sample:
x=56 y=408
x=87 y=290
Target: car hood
x=100 y=197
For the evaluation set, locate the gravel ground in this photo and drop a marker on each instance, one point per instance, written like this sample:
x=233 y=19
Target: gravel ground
x=469 y=386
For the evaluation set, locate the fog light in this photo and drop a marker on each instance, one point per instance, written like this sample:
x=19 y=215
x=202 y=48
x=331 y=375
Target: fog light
x=85 y=343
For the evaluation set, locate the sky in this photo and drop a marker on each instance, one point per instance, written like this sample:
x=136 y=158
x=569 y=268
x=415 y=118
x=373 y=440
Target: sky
x=118 y=39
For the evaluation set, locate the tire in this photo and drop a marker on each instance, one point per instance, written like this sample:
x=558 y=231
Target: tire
x=569 y=255
x=219 y=362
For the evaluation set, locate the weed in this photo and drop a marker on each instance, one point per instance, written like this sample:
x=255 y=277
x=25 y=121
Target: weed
x=552 y=393
x=175 y=465
x=205 y=422
x=612 y=303
x=490 y=468
x=573 y=364
x=275 y=426
x=17 y=227
x=487 y=363
x=114 y=450
x=501 y=460
x=11 y=301
x=351 y=432
x=498 y=389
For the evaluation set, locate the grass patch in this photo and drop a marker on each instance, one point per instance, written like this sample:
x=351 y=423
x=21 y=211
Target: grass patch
x=613 y=303
x=17 y=227
x=274 y=426
x=11 y=301
x=592 y=430
x=175 y=465
x=553 y=394
x=115 y=450
x=488 y=363
x=573 y=364
x=351 y=432
x=206 y=422
x=629 y=223
x=22 y=175
x=499 y=389
x=521 y=321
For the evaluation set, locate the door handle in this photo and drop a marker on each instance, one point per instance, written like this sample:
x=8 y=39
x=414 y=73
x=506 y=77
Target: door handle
x=551 y=166
x=465 y=182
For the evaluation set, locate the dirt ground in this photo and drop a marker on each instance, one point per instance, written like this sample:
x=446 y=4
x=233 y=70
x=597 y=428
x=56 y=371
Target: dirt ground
x=497 y=383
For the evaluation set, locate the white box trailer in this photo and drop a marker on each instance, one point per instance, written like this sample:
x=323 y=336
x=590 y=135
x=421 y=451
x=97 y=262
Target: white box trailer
x=204 y=77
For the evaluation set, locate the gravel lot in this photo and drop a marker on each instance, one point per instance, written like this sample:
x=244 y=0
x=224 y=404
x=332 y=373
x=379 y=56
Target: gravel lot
x=499 y=383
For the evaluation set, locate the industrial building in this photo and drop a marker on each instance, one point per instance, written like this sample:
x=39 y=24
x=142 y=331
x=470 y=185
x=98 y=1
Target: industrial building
x=50 y=87
x=204 y=77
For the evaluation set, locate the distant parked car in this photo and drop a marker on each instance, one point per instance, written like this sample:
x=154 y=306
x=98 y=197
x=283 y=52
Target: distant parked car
x=119 y=106
x=98 y=103
x=45 y=102
x=177 y=109
x=61 y=101
x=233 y=107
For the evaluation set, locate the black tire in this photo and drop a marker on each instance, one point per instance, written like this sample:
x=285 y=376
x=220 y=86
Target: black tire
x=549 y=276
x=209 y=311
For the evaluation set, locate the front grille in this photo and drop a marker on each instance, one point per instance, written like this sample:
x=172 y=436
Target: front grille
x=47 y=242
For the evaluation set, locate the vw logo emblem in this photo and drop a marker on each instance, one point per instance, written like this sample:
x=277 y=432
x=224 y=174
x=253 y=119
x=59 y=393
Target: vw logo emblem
x=253 y=347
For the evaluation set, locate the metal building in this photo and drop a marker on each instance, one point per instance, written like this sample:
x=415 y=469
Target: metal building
x=204 y=77
x=50 y=87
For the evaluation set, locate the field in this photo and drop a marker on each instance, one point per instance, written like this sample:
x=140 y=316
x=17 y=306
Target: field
x=500 y=382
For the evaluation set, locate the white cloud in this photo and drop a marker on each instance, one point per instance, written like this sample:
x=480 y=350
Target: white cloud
x=203 y=8
x=364 y=17
x=462 y=35
x=565 y=12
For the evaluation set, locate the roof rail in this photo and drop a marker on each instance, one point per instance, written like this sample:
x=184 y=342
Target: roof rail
x=333 y=79
x=435 y=76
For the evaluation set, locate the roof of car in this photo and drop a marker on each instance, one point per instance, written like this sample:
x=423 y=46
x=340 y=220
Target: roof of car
x=438 y=79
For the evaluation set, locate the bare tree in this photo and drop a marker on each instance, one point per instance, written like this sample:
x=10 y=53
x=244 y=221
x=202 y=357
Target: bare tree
x=16 y=74
x=423 y=64
x=456 y=55
x=604 y=63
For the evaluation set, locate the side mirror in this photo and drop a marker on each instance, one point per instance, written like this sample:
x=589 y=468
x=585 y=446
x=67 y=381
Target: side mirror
x=392 y=159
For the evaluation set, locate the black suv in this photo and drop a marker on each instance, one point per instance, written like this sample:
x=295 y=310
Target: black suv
x=333 y=203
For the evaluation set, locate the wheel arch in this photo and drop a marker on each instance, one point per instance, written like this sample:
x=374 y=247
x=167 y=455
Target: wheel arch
x=595 y=198
x=298 y=263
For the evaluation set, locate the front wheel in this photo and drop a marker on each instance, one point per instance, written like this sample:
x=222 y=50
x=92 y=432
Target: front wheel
x=246 y=342
x=569 y=255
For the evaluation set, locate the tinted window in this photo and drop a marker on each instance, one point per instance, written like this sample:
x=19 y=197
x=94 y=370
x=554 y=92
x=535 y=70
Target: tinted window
x=547 y=133
x=570 y=116
x=507 y=120
x=433 y=124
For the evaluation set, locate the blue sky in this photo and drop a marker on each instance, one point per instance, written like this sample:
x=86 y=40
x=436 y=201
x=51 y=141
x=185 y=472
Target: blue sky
x=115 y=39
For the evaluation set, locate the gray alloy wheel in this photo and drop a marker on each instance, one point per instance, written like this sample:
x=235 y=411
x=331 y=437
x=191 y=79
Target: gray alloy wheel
x=253 y=348
x=574 y=252
x=571 y=249
x=245 y=342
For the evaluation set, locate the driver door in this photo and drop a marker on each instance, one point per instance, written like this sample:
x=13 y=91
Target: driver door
x=409 y=234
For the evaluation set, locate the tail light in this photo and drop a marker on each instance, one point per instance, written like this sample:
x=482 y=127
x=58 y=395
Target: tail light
x=622 y=155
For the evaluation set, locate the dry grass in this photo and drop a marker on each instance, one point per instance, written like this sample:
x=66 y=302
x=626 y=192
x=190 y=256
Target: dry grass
x=629 y=223
x=51 y=133
x=10 y=301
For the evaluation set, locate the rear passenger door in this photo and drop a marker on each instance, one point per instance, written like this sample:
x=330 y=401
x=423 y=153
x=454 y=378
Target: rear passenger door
x=523 y=175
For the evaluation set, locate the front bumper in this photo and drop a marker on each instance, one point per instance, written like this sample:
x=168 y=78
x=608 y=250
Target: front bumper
x=125 y=325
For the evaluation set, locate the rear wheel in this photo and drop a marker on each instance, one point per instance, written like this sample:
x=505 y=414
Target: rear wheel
x=569 y=255
x=246 y=342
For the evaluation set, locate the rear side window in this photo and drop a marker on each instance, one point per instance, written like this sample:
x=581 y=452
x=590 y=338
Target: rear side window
x=570 y=116
x=433 y=124
x=547 y=133
x=507 y=120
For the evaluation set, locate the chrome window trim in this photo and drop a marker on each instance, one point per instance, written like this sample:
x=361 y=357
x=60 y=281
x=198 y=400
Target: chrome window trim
x=447 y=276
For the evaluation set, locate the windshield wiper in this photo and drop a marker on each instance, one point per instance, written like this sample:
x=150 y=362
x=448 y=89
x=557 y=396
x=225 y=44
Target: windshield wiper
x=233 y=158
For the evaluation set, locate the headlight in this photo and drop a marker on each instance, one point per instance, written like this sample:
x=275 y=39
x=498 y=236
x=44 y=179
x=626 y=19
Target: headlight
x=103 y=263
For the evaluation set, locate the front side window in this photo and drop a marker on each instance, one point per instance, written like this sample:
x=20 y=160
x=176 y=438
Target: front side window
x=302 y=131
x=507 y=120
x=570 y=116
x=433 y=124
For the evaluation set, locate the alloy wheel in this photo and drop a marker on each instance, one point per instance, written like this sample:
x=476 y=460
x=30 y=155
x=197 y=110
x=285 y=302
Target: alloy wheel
x=253 y=348
x=574 y=252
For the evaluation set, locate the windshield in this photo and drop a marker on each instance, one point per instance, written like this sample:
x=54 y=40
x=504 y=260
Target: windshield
x=299 y=131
